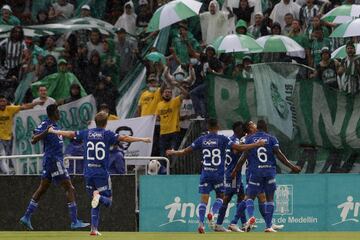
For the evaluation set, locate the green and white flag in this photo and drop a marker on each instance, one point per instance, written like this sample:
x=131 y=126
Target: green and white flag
x=274 y=89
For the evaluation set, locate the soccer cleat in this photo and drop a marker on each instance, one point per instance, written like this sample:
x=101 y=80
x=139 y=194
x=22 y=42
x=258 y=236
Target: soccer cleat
x=277 y=227
x=201 y=229
x=270 y=230
x=234 y=228
x=95 y=233
x=211 y=221
x=26 y=222
x=220 y=228
x=96 y=199
x=79 y=224
x=249 y=224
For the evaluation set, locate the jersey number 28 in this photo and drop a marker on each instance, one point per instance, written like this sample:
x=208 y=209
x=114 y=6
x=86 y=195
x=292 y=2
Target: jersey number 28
x=211 y=158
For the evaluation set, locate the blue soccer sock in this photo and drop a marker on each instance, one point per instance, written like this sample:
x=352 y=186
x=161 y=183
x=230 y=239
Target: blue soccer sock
x=269 y=211
x=222 y=213
x=262 y=209
x=95 y=213
x=250 y=207
x=240 y=213
x=73 y=211
x=105 y=201
x=202 y=210
x=31 y=208
x=217 y=205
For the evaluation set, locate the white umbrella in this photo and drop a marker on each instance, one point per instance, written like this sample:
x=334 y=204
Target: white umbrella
x=236 y=43
x=343 y=13
x=278 y=43
x=350 y=29
x=173 y=12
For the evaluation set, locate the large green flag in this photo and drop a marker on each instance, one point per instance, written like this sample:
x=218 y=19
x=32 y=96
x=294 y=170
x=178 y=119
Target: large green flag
x=320 y=116
x=58 y=85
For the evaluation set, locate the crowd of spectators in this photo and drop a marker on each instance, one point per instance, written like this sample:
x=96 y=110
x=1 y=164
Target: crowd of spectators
x=97 y=63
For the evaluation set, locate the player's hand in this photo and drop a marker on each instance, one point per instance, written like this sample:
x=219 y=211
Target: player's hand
x=261 y=142
x=296 y=169
x=233 y=174
x=50 y=129
x=170 y=152
x=147 y=140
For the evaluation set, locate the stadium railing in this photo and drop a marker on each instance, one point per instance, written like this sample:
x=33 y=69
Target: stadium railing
x=28 y=166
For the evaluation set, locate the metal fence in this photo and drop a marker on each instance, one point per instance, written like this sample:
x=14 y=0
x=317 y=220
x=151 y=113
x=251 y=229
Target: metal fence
x=31 y=164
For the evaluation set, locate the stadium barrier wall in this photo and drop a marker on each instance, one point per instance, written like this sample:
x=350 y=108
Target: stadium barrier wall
x=52 y=213
x=313 y=202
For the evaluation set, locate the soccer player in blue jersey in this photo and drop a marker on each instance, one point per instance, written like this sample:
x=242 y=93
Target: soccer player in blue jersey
x=232 y=186
x=53 y=169
x=96 y=161
x=261 y=172
x=213 y=148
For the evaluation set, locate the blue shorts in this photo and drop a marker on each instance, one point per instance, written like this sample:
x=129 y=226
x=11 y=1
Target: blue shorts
x=54 y=170
x=234 y=186
x=207 y=184
x=259 y=184
x=99 y=183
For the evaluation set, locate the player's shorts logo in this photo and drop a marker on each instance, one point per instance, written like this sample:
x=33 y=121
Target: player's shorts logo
x=284 y=197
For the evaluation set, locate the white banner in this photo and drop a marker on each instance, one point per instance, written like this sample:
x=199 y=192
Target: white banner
x=73 y=116
x=274 y=94
x=137 y=127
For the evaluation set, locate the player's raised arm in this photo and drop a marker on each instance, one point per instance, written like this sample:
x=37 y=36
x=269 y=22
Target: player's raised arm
x=246 y=147
x=37 y=137
x=239 y=164
x=279 y=154
x=67 y=134
x=182 y=152
x=125 y=138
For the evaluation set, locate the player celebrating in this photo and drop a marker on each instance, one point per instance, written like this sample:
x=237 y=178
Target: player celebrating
x=232 y=186
x=213 y=148
x=262 y=171
x=53 y=169
x=97 y=143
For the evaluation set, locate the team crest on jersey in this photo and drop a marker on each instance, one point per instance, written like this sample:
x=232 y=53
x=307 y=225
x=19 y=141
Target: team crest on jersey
x=210 y=143
x=95 y=135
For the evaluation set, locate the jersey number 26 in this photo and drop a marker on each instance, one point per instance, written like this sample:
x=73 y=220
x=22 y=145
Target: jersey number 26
x=97 y=149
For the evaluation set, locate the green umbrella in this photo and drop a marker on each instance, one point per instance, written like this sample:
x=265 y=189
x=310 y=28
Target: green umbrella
x=278 y=43
x=349 y=29
x=156 y=57
x=236 y=43
x=173 y=12
x=341 y=51
x=342 y=14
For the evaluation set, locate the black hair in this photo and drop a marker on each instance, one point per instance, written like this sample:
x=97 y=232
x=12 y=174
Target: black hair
x=125 y=128
x=212 y=123
x=246 y=126
x=51 y=110
x=237 y=124
x=261 y=125
x=2 y=96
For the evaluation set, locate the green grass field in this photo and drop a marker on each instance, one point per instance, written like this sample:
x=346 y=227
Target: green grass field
x=180 y=236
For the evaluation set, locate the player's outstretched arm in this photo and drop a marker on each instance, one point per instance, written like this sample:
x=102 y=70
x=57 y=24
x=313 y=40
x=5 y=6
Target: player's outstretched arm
x=125 y=138
x=246 y=147
x=279 y=154
x=239 y=164
x=182 y=152
x=37 y=137
x=67 y=134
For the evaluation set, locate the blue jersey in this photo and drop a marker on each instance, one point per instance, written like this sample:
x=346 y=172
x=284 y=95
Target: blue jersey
x=232 y=158
x=97 y=142
x=53 y=144
x=213 y=148
x=261 y=160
